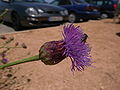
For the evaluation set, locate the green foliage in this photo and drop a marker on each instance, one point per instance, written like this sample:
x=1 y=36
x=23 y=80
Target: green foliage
x=8 y=78
x=2 y=15
x=6 y=46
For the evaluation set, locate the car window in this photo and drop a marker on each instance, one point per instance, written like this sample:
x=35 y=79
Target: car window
x=18 y=0
x=79 y=1
x=64 y=2
x=54 y=2
x=4 y=0
x=99 y=2
x=107 y=2
x=41 y=1
x=118 y=1
x=49 y=1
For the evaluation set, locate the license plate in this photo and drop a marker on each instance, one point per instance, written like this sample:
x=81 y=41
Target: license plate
x=95 y=10
x=55 y=18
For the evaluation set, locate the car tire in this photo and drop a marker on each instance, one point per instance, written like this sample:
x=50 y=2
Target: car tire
x=104 y=15
x=72 y=18
x=16 y=21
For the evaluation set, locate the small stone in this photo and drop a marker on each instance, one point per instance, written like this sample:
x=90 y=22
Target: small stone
x=102 y=88
x=6 y=84
x=2 y=37
x=9 y=75
x=28 y=80
x=24 y=46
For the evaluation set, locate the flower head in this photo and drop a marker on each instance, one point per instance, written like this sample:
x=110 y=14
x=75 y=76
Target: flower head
x=4 y=60
x=73 y=45
x=76 y=47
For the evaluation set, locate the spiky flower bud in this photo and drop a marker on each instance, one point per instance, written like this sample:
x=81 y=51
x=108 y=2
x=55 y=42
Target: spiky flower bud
x=52 y=52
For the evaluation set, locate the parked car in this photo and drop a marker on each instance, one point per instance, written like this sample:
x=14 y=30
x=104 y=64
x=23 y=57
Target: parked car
x=107 y=7
x=118 y=7
x=32 y=13
x=117 y=13
x=78 y=9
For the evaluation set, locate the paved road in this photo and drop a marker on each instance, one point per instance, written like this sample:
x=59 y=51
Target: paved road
x=5 y=29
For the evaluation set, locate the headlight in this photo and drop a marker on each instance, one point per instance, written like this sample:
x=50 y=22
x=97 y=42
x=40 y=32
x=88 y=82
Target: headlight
x=31 y=11
x=62 y=12
x=40 y=11
x=65 y=12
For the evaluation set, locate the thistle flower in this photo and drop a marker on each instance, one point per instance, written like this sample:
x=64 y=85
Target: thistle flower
x=76 y=47
x=72 y=45
x=4 y=60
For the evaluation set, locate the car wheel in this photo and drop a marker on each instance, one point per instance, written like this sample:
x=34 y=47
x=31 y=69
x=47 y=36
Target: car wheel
x=104 y=15
x=16 y=21
x=72 y=18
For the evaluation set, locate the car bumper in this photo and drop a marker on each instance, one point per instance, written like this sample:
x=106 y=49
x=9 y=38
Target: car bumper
x=41 y=21
x=89 y=15
x=110 y=13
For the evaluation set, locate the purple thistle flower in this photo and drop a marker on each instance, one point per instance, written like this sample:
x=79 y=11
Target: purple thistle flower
x=4 y=60
x=76 y=47
x=73 y=45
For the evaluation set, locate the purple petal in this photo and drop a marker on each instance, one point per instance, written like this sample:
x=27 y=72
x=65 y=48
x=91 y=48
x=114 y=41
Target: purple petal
x=4 y=60
x=76 y=48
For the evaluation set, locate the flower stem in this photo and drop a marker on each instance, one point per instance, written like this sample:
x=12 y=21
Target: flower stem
x=10 y=47
x=33 y=58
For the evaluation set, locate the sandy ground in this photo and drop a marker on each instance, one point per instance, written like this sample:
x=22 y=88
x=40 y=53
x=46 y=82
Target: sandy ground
x=105 y=75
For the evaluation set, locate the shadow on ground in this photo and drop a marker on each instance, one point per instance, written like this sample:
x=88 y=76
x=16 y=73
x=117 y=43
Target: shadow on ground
x=29 y=28
x=8 y=27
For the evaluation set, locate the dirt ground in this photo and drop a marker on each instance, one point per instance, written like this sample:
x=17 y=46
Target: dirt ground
x=105 y=75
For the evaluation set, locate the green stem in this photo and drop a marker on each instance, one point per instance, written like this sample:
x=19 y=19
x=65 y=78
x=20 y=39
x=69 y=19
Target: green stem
x=33 y=58
x=10 y=47
x=1 y=15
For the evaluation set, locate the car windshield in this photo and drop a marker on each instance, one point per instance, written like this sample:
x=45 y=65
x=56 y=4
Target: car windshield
x=41 y=1
x=79 y=1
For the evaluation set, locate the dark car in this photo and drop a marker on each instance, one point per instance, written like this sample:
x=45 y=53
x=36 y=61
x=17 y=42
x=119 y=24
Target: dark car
x=118 y=7
x=78 y=9
x=107 y=7
x=32 y=13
